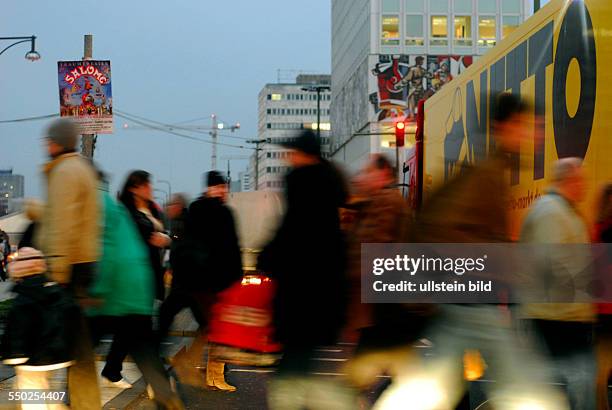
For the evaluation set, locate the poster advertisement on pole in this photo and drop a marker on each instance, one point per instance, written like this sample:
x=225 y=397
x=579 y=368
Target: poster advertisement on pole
x=85 y=94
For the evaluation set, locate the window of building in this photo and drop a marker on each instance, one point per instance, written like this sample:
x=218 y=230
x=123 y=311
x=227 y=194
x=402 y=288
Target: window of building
x=277 y=97
x=268 y=154
x=439 y=31
x=268 y=125
x=463 y=31
x=463 y=6
x=269 y=111
x=414 y=6
x=269 y=97
x=390 y=30
x=390 y=6
x=511 y=6
x=487 y=31
x=487 y=6
x=414 y=30
x=438 y=6
x=268 y=169
x=509 y=24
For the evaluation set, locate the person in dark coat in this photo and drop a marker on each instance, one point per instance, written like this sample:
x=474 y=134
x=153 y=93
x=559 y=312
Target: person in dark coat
x=182 y=293
x=307 y=258
x=207 y=262
x=137 y=196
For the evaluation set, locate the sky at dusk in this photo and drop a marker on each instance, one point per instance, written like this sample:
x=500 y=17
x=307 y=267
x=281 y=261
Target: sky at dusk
x=171 y=62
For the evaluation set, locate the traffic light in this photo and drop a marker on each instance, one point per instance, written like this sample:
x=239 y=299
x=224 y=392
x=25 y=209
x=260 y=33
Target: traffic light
x=400 y=131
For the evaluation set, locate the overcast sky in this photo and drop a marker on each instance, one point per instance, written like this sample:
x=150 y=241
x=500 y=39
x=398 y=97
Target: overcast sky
x=171 y=61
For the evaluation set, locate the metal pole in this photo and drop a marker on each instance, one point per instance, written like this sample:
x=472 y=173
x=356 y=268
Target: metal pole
x=163 y=181
x=213 y=133
x=319 y=113
x=88 y=140
x=397 y=161
x=257 y=166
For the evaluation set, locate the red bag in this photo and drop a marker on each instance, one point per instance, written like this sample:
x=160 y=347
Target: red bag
x=241 y=330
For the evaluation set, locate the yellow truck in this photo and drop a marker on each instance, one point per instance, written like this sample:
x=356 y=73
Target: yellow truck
x=558 y=60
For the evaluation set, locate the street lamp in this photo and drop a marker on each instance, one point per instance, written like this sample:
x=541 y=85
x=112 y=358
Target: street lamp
x=317 y=89
x=31 y=55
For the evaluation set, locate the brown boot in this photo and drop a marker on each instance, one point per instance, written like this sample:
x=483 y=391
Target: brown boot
x=215 y=378
x=187 y=361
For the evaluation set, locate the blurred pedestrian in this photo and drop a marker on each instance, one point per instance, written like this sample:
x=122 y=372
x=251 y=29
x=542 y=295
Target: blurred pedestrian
x=603 y=234
x=124 y=288
x=385 y=330
x=69 y=235
x=182 y=293
x=41 y=326
x=566 y=330
x=137 y=197
x=208 y=262
x=458 y=213
x=307 y=258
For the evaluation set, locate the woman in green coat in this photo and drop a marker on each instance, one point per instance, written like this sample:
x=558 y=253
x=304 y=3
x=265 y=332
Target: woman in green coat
x=125 y=290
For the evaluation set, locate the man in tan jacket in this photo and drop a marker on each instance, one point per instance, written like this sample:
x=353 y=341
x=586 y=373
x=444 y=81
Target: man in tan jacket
x=68 y=235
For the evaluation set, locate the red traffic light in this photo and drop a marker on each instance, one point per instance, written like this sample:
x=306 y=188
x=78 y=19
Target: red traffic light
x=400 y=130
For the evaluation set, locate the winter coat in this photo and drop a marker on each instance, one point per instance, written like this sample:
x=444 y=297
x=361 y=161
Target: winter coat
x=69 y=228
x=381 y=218
x=553 y=220
x=470 y=208
x=41 y=327
x=209 y=257
x=124 y=281
x=307 y=257
x=146 y=228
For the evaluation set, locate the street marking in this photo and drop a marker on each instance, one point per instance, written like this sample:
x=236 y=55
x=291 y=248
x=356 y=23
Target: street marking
x=325 y=359
x=330 y=350
x=251 y=371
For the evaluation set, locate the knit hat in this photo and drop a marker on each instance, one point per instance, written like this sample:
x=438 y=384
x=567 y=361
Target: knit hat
x=64 y=133
x=215 y=178
x=29 y=261
x=306 y=142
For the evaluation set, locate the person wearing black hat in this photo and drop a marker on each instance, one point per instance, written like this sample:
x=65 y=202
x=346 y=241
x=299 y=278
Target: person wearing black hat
x=307 y=258
x=208 y=261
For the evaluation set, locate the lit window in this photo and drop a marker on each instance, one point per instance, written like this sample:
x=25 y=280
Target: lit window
x=325 y=126
x=390 y=30
x=487 y=31
x=414 y=30
x=439 y=31
x=277 y=97
x=463 y=31
x=509 y=24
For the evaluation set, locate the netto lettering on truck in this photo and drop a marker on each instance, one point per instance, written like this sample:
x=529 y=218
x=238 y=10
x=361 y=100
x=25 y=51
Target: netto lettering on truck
x=575 y=49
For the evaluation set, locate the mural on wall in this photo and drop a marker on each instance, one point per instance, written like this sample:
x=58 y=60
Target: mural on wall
x=403 y=80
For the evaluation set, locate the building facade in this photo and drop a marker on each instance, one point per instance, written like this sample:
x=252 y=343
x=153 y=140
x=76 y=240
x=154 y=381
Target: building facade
x=11 y=189
x=389 y=54
x=285 y=109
